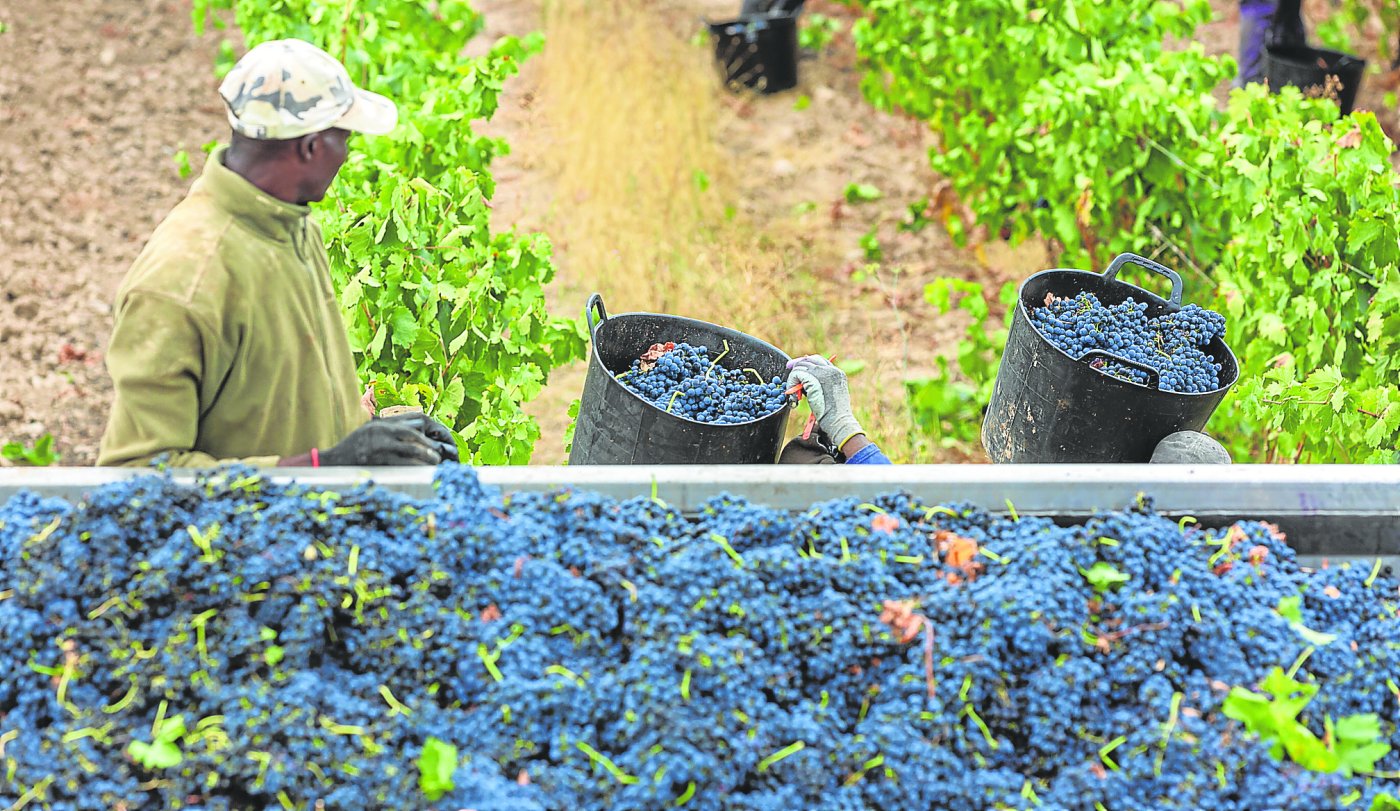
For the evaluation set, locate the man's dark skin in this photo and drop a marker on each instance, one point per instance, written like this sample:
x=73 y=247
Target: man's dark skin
x=300 y=171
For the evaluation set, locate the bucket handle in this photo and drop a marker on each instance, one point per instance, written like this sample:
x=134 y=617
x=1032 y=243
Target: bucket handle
x=1153 y=378
x=594 y=305
x=1147 y=264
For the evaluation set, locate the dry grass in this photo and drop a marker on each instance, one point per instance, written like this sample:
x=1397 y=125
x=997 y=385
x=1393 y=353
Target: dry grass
x=641 y=177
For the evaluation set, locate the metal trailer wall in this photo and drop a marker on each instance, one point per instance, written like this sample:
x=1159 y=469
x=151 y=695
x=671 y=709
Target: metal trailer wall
x=1327 y=511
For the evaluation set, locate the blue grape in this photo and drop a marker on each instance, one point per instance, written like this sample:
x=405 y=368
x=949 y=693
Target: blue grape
x=1172 y=344
x=581 y=652
x=686 y=382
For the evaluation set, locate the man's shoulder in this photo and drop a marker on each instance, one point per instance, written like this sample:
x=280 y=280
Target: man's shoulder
x=185 y=254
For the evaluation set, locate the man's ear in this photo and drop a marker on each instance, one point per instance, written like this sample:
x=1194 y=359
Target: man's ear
x=308 y=146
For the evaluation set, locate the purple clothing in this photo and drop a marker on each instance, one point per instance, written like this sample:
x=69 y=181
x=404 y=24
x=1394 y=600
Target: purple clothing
x=1267 y=24
x=1255 y=18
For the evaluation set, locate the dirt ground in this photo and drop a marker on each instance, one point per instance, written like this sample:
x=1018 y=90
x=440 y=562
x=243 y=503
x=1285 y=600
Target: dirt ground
x=96 y=97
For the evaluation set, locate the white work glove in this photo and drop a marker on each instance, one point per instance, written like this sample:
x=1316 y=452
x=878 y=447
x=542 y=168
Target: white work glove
x=827 y=395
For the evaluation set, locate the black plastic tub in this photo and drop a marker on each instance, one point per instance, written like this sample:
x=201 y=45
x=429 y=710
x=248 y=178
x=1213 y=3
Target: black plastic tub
x=1048 y=407
x=758 y=53
x=1308 y=68
x=616 y=426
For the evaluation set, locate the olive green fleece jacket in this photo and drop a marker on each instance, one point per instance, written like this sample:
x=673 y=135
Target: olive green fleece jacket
x=228 y=344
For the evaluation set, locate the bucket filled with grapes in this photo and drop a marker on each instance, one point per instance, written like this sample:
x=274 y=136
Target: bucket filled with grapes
x=1100 y=370
x=662 y=389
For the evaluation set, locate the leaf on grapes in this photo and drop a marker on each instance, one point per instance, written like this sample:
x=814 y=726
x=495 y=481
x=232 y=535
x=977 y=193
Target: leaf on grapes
x=958 y=553
x=163 y=752
x=884 y=523
x=1362 y=728
x=158 y=755
x=655 y=352
x=436 y=765
x=1290 y=608
x=1360 y=757
x=1104 y=576
x=903 y=619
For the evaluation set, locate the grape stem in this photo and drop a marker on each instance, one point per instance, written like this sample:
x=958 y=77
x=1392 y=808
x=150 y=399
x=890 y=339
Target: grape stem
x=717 y=360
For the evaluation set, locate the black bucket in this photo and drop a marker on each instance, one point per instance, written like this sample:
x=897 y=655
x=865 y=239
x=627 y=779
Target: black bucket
x=1308 y=68
x=1048 y=407
x=758 y=53
x=616 y=426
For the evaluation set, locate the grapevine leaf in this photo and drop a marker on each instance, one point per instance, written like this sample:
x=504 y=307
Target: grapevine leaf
x=1104 y=577
x=436 y=765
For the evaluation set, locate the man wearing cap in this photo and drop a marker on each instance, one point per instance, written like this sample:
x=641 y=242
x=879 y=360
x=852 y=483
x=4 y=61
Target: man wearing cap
x=228 y=343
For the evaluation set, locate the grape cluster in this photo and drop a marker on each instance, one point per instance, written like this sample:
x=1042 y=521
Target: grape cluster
x=686 y=382
x=245 y=644
x=1172 y=344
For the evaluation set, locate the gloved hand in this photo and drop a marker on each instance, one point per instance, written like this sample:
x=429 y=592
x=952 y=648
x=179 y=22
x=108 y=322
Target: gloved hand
x=442 y=437
x=398 y=440
x=827 y=395
x=431 y=428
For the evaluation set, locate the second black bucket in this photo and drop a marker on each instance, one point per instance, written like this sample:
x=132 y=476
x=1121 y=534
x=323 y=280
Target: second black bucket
x=1308 y=68
x=1048 y=407
x=758 y=53
x=616 y=426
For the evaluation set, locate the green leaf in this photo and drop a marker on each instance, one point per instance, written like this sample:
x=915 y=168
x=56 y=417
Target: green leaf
x=1103 y=576
x=158 y=755
x=182 y=164
x=163 y=752
x=1290 y=608
x=862 y=193
x=1361 y=727
x=436 y=765
x=450 y=402
x=39 y=455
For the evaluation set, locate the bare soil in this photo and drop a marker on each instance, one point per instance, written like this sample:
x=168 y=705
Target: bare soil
x=96 y=97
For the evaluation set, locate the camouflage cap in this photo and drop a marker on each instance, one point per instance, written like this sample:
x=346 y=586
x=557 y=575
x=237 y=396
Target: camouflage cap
x=288 y=88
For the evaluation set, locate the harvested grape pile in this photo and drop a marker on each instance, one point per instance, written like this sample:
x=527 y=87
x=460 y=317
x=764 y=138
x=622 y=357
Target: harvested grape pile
x=242 y=644
x=1172 y=344
x=682 y=379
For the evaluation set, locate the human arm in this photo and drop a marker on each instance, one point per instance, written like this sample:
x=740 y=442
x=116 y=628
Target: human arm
x=828 y=395
x=158 y=355
x=861 y=451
